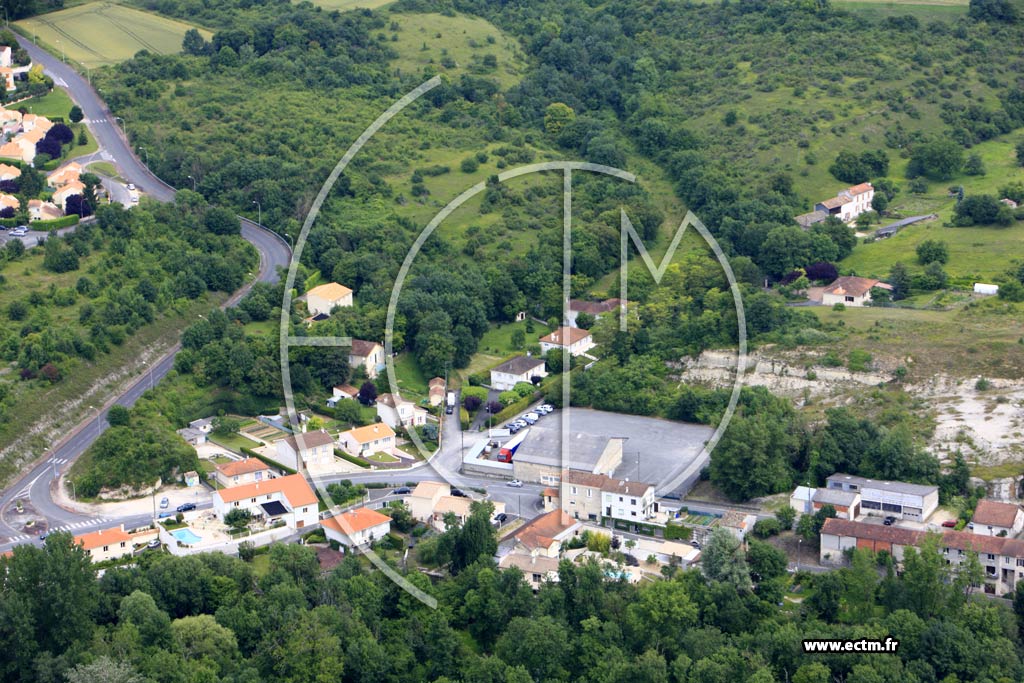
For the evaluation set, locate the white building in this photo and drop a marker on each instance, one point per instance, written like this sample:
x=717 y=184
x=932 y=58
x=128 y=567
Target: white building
x=364 y=441
x=422 y=501
x=985 y=289
x=367 y=355
x=849 y=203
x=800 y=499
x=246 y=471
x=106 y=544
x=395 y=411
x=889 y=498
x=850 y=290
x=579 y=341
x=316 y=448
x=590 y=496
x=357 y=528
x=992 y=518
x=325 y=298
x=515 y=370
x=289 y=499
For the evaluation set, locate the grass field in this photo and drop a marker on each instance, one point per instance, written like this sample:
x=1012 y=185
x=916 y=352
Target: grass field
x=425 y=40
x=234 y=442
x=344 y=5
x=925 y=10
x=102 y=33
x=55 y=103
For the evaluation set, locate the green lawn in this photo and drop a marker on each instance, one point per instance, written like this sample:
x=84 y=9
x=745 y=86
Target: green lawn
x=103 y=168
x=497 y=340
x=922 y=11
x=101 y=33
x=382 y=458
x=345 y=5
x=234 y=442
x=425 y=40
x=54 y=104
x=411 y=381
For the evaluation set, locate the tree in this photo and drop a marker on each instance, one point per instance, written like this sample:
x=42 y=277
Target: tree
x=828 y=591
x=584 y=320
x=104 y=670
x=1020 y=152
x=194 y=44
x=153 y=624
x=367 y=393
x=993 y=10
x=934 y=277
x=816 y=672
x=786 y=516
x=557 y=116
x=722 y=559
x=518 y=339
x=899 y=278
x=931 y=251
x=540 y=645
x=974 y=165
x=766 y=561
x=238 y=518
x=119 y=416
x=222 y=221
x=939 y=160
x=75 y=115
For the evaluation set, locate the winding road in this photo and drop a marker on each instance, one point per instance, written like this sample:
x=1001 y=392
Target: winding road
x=274 y=254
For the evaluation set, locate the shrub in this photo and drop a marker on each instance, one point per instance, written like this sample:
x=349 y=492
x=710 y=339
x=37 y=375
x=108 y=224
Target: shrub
x=677 y=532
x=469 y=165
x=839 y=306
x=982 y=384
x=764 y=528
x=858 y=361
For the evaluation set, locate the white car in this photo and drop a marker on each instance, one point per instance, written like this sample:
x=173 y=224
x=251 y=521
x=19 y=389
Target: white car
x=547 y=408
x=131 y=186
x=515 y=483
x=19 y=232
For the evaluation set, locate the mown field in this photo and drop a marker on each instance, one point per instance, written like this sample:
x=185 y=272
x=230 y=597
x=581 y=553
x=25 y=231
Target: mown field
x=101 y=33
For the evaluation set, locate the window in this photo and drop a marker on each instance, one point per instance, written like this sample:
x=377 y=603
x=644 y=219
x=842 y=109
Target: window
x=620 y=499
x=104 y=548
x=849 y=298
x=890 y=507
x=253 y=500
x=590 y=493
x=871 y=505
x=990 y=556
x=633 y=513
x=573 y=490
x=306 y=509
x=632 y=501
x=1020 y=562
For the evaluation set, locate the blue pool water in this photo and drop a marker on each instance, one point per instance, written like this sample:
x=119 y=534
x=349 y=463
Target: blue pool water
x=186 y=536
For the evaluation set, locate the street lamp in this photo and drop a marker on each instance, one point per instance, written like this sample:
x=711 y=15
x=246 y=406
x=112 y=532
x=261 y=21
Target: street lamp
x=63 y=58
x=143 y=149
x=193 y=183
x=124 y=125
x=799 y=546
x=259 y=213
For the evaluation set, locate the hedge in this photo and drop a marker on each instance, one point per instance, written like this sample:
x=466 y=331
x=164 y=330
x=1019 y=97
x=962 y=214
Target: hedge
x=513 y=409
x=464 y=418
x=677 y=531
x=272 y=463
x=352 y=459
x=56 y=223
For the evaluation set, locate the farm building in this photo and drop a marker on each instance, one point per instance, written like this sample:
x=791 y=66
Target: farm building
x=985 y=289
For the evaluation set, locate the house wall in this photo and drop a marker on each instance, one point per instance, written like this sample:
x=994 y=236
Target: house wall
x=854 y=301
x=286 y=455
x=535 y=473
x=295 y=518
x=625 y=507
x=370 y=363
x=581 y=502
x=987 y=530
x=503 y=381
x=359 y=538
x=353 y=447
x=318 y=304
x=110 y=552
x=247 y=478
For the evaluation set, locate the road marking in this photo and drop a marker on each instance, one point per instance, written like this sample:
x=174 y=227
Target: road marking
x=57 y=461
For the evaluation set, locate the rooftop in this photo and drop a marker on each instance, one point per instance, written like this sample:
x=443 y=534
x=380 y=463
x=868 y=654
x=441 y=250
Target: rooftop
x=520 y=365
x=897 y=486
x=994 y=513
x=362 y=348
x=392 y=400
x=429 y=489
x=102 y=537
x=332 y=291
x=860 y=189
x=542 y=531
x=369 y=433
x=356 y=520
x=530 y=564
x=593 y=307
x=853 y=286
x=309 y=440
x=606 y=483
x=827 y=496
x=293 y=487
x=565 y=336
x=237 y=468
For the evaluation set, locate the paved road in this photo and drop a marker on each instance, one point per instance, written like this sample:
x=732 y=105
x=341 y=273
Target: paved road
x=274 y=254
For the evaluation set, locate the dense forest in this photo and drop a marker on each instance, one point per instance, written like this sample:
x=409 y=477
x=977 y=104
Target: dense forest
x=211 y=617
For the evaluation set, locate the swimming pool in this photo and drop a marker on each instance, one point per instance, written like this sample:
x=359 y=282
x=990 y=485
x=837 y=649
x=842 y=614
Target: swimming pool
x=186 y=536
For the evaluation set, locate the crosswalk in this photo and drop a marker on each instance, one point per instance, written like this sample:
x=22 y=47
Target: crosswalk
x=57 y=461
x=75 y=526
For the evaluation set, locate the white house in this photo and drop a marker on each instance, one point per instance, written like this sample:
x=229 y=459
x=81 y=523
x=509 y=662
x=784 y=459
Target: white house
x=73 y=187
x=325 y=298
x=357 y=528
x=367 y=355
x=106 y=544
x=992 y=518
x=342 y=392
x=849 y=203
x=459 y=507
x=888 y=498
x=985 y=289
x=850 y=290
x=289 y=499
x=800 y=499
x=245 y=471
x=515 y=370
x=630 y=501
x=579 y=341
x=5 y=56
x=536 y=569
x=395 y=411
x=375 y=438
x=316 y=448
x=594 y=309
x=423 y=499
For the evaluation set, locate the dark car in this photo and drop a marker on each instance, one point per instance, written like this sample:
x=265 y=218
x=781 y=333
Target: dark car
x=889 y=521
x=459 y=494
x=402 y=491
x=501 y=518
x=185 y=507
x=631 y=560
x=695 y=544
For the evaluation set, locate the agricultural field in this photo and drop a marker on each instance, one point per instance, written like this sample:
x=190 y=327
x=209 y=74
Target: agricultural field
x=102 y=33
x=345 y=5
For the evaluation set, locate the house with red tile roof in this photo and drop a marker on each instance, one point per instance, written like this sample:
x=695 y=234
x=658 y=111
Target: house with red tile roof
x=577 y=340
x=850 y=290
x=357 y=528
x=545 y=534
x=106 y=544
x=993 y=518
x=245 y=471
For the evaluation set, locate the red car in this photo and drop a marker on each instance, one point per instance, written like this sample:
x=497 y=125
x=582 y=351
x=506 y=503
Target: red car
x=949 y=524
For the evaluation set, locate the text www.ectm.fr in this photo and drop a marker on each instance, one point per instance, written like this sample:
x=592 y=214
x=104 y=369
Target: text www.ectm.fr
x=888 y=646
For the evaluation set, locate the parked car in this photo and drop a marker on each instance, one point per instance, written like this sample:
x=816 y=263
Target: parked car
x=164 y=502
x=889 y=521
x=131 y=186
x=165 y=515
x=529 y=418
x=459 y=494
x=695 y=544
x=521 y=423
x=547 y=408
x=42 y=537
x=185 y=507
x=949 y=524
x=402 y=491
x=535 y=416
x=154 y=544
x=515 y=483
x=513 y=428
x=19 y=231
x=501 y=518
